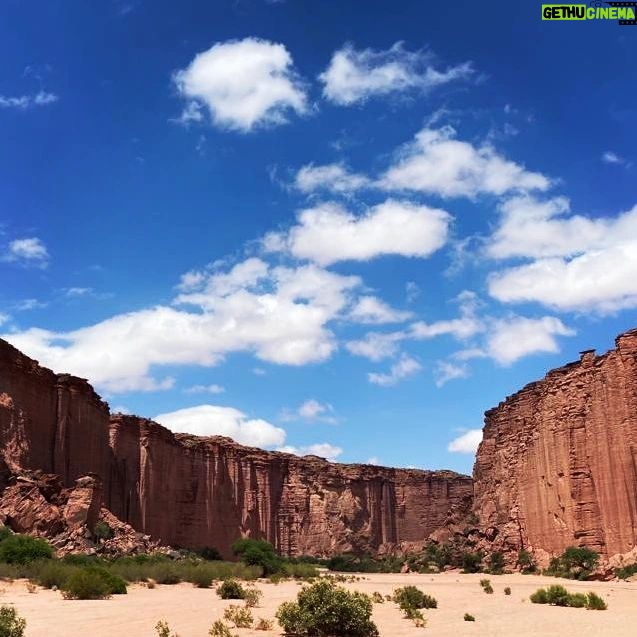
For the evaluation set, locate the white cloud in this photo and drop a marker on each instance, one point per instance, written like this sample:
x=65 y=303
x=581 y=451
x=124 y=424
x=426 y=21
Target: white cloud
x=312 y=409
x=436 y=163
x=403 y=368
x=412 y=291
x=322 y=450
x=447 y=370
x=29 y=304
x=376 y=346
x=534 y=229
x=42 y=98
x=467 y=442
x=75 y=292
x=212 y=420
x=328 y=233
x=245 y=84
x=579 y=264
x=371 y=310
x=4 y=318
x=609 y=157
x=205 y=389
x=28 y=251
x=280 y=314
x=329 y=177
x=357 y=75
x=514 y=338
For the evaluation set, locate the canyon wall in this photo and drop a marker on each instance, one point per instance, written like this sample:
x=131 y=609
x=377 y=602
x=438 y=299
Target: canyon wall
x=194 y=492
x=558 y=461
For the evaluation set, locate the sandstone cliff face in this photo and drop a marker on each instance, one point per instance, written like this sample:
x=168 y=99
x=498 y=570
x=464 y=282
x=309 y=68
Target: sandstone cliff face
x=195 y=492
x=558 y=461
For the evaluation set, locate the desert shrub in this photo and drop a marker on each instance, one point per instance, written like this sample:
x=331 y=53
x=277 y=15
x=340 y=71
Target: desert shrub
x=576 y=562
x=539 y=597
x=79 y=559
x=102 y=531
x=231 y=589
x=486 y=586
x=577 y=600
x=595 y=602
x=264 y=624
x=163 y=629
x=327 y=609
x=24 y=549
x=300 y=570
x=257 y=553
x=507 y=590
x=11 y=624
x=210 y=554
x=351 y=563
x=86 y=584
x=164 y=573
x=52 y=573
x=411 y=597
x=496 y=564
x=626 y=571
x=251 y=597
x=469 y=618
x=472 y=562
x=240 y=616
x=219 y=629
x=377 y=598
x=525 y=562
x=5 y=532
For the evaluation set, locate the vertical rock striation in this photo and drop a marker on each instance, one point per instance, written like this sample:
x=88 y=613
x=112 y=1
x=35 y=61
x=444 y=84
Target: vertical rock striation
x=196 y=492
x=558 y=461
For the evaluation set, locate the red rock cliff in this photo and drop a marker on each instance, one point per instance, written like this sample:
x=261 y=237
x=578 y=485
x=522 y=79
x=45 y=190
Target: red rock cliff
x=558 y=461
x=195 y=492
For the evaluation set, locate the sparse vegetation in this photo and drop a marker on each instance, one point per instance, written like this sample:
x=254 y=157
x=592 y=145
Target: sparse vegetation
x=219 y=629
x=251 y=597
x=102 y=531
x=11 y=624
x=496 y=564
x=377 y=598
x=92 y=583
x=264 y=624
x=576 y=562
x=557 y=595
x=327 y=609
x=240 y=616
x=469 y=618
x=231 y=589
x=24 y=549
x=486 y=586
x=626 y=571
x=163 y=629
x=411 y=598
x=472 y=562
x=526 y=563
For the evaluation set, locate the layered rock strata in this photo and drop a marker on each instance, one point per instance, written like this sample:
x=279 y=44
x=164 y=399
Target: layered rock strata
x=558 y=461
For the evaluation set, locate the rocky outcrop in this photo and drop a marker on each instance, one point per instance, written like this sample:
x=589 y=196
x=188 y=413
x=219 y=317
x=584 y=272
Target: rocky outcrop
x=194 y=492
x=558 y=461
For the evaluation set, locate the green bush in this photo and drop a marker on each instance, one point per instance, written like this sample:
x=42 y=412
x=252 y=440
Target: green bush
x=327 y=609
x=411 y=597
x=576 y=562
x=626 y=571
x=52 y=573
x=11 y=624
x=496 y=564
x=219 y=629
x=469 y=618
x=507 y=590
x=163 y=630
x=93 y=582
x=595 y=602
x=351 y=563
x=231 y=589
x=472 y=562
x=486 y=586
x=251 y=597
x=5 y=532
x=23 y=549
x=210 y=554
x=526 y=563
x=257 y=553
x=102 y=531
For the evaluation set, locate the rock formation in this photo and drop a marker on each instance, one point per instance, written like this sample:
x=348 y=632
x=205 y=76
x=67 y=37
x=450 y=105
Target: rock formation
x=194 y=492
x=558 y=461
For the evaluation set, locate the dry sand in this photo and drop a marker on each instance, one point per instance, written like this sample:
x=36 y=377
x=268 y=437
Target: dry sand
x=190 y=611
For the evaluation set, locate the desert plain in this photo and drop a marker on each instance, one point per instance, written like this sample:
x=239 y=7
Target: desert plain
x=190 y=611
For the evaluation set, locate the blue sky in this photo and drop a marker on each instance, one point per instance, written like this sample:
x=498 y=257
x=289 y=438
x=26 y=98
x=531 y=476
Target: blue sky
x=315 y=226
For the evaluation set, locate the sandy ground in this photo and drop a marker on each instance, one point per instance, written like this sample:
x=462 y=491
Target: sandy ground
x=190 y=611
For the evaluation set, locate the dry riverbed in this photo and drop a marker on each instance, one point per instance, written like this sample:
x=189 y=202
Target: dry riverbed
x=190 y=611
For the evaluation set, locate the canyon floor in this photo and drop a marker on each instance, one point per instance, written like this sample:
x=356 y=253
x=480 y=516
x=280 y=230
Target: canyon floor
x=190 y=611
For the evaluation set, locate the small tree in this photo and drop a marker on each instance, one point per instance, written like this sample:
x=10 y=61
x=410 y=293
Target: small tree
x=257 y=553
x=23 y=549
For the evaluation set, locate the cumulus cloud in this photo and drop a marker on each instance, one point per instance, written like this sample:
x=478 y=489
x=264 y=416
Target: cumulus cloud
x=24 y=102
x=372 y=310
x=577 y=263
x=312 y=410
x=609 y=157
x=512 y=339
x=205 y=389
x=322 y=450
x=328 y=233
x=244 y=84
x=403 y=368
x=27 y=251
x=468 y=442
x=329 y=177
x=376 y=346
x=354 y=76
x=280 y=314
x=437 y=163
x=212 y=420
